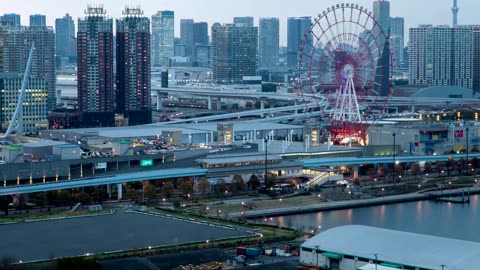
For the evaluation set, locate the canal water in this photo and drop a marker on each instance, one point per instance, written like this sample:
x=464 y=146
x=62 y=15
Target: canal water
x=460 y=221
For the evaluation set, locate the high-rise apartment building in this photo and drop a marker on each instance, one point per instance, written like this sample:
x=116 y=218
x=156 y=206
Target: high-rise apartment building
x=397 y=39
x=34 y=106
x=133 y=67
x=243 y=21
x=17 y=42
x=186 y=35
x=476 y=58
x=234 y=52
x=163 y=37
x=11 y=19
x=441 y=55
x=297 y=31
x=38 y=20
x=95 y=67
x=65 y=41
x=268 y=42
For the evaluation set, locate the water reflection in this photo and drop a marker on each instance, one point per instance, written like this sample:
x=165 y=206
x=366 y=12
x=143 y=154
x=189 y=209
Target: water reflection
x=427 y=217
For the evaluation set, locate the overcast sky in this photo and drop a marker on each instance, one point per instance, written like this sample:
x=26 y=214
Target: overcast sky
x=414 y=11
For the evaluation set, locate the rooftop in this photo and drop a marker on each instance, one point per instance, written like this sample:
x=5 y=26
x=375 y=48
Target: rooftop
x=408 y=249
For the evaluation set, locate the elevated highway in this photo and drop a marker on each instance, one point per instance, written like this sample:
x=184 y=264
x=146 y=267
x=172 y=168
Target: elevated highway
x=192 y=172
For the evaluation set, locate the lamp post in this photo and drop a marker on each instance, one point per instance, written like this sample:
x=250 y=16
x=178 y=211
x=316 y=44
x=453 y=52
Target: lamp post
x=466 y=169
x=266 y=159
x=393 y=146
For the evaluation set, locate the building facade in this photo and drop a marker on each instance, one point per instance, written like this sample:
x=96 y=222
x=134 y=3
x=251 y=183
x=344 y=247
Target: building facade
x=38 y=20
x=269 y=42
x=297 y=32
x=243 y=21
x=200 y=45
x=95 y=64
x=162 y=37
x=381 y=13
x=12 y=19
x=133 y=65
x=65 y=40
x=397 y=40
x=186 y=35
x=17 y=42
x=235 y=50
x=34 y=105
x=441 y=55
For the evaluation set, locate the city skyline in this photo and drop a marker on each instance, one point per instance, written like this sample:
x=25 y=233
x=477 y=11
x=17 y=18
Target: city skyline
x=223 y=13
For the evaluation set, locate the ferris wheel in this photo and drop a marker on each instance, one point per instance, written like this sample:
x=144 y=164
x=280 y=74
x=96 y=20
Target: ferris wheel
x=345 y=71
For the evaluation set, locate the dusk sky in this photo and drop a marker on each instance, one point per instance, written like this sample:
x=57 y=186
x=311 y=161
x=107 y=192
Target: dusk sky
x=414 y=11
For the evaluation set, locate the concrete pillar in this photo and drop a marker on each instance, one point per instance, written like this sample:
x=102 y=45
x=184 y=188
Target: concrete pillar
x=159 y=102
x=211 y=137
x=119 y=191
x=219 y=104
x=109 y=190
x=262 y=107
x=296 y=111
x=355 y=171
x=210 y=102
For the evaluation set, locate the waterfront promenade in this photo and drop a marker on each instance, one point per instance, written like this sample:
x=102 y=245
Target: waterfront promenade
x=327 y=206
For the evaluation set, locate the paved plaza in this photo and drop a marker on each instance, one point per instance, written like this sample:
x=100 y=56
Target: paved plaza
x=120 y=231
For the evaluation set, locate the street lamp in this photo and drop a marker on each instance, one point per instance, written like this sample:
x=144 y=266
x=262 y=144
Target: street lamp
x=393 y=146
x=266 y=159
x=467 y=152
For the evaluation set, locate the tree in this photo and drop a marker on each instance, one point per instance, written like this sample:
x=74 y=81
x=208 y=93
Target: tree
x=78 y=263
x=271 y=180
x=220 y=187
x=4 y=201
x=238 y=185
x=131 y=194
x=203 y=186
x=254 y=182
x=167 y=190
x=186 y=186
x=52 y=197
x=64 y=197
x=40 y=198
x=100 y=195
x=150 y=192
x=416 y=170
x=372 y=172
x=83 y=198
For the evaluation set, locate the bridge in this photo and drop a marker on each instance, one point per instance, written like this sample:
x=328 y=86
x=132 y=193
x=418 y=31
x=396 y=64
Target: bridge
x=192 y=172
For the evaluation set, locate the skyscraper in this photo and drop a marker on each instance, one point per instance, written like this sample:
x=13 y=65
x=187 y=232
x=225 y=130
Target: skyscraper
x=269 y=42
x=441 y=55
x=38 y=20
x=65 y=41
x=397 y=37
x=186 y=34
x=200 y=33
x=234 y=50
x=133 y=66
x=297 y=32
x=95 y=70
x=17 y=42
x=162 y=37
x=201 y=47
x=12 y=19
x=476 y=58
x=243 y=21
x=381 y=13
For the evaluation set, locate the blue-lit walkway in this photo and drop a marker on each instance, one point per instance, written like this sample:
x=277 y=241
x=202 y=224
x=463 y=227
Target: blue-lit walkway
x=311 y=163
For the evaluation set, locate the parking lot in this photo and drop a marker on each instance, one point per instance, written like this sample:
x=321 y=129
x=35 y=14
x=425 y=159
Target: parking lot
x=121 y=231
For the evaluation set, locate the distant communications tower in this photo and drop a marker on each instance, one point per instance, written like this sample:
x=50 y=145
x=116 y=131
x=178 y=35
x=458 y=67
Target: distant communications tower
x=455 y=13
